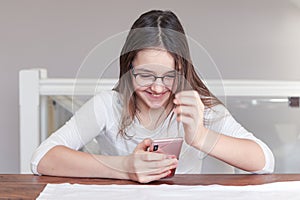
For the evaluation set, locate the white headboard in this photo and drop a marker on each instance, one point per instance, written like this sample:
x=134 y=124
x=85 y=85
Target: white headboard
x=35 y=86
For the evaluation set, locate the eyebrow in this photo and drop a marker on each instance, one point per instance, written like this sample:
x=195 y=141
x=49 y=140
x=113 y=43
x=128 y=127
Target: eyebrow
x=149 y=71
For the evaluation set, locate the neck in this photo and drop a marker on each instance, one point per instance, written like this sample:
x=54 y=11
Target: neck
x=152 y=118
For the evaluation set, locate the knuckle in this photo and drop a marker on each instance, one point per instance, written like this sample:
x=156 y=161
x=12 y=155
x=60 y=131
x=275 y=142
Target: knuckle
x=143 y=179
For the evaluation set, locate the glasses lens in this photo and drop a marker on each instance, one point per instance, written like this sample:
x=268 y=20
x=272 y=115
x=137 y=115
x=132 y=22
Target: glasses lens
x=145 y=79
x=169 y=80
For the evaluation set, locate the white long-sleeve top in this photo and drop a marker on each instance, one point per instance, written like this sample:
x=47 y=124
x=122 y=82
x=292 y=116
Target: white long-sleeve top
x=99 y=119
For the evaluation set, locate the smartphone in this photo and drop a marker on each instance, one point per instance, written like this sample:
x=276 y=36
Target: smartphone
x=169 y=146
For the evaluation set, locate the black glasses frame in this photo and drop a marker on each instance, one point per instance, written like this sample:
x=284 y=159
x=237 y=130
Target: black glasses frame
x=152 y=75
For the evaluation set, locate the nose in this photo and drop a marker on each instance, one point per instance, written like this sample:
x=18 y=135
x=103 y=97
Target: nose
x=158 y=86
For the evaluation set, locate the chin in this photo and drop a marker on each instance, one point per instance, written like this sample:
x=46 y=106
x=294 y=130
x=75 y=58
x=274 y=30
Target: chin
x=156 y=106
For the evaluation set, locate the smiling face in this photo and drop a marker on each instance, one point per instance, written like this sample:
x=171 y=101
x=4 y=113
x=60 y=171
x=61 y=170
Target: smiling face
x=147 y=63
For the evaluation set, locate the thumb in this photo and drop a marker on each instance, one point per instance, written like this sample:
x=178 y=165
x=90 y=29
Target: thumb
x=144 y=145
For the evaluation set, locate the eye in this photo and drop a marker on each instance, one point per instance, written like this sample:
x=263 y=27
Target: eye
x=146 y=76
x=170 y=76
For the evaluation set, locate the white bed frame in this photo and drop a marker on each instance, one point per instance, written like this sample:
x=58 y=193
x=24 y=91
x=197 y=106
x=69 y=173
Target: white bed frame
x=35 y=86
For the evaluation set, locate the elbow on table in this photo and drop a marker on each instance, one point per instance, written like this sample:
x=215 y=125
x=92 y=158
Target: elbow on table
x=269 y=165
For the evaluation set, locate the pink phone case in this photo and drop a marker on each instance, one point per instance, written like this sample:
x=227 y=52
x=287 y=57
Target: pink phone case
x=170 y=146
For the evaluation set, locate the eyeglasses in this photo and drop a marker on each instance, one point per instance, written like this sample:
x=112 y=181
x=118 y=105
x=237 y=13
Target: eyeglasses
x=147 y=79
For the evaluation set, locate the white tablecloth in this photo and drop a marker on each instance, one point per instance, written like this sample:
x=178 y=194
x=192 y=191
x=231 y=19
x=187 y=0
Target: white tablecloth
x=272 y=191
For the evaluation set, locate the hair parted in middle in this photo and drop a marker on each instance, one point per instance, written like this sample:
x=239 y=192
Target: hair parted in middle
x=161 y=30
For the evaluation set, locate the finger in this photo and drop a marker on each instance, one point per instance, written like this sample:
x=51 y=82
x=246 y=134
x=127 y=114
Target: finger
x=150 y=178
x=189 y=101
x=187 y=93
x=152 y=156
x=163 y=163
x=163 y=170
x=156 y=174
x=163 y=175
x=186 y=110
x=192 y=94
x=153 y=172
x=144 y=145
x=156 y=167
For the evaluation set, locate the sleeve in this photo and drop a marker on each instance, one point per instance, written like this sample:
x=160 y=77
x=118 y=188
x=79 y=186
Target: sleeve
x=86 y=124
x=220 y=120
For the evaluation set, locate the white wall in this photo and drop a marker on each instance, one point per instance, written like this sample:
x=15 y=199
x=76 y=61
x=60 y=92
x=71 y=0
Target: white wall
x=246 y=38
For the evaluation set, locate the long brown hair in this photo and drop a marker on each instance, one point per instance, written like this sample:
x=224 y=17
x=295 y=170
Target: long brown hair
x=157 y=29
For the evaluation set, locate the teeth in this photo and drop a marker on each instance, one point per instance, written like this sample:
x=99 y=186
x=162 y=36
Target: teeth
x=156 y=95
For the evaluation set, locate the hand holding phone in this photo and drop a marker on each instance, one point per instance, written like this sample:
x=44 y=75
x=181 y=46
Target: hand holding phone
x=169 y=146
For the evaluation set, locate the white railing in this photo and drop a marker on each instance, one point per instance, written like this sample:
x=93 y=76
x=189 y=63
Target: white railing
x=35 y=86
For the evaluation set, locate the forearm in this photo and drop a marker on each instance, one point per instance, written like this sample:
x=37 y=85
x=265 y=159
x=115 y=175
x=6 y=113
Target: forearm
x=242 y=153
x=63 y=161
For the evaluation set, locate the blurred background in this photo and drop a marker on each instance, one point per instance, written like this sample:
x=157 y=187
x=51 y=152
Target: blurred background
x=247 y=39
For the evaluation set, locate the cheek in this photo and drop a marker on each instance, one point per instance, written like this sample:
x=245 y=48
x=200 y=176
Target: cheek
x=135 y=86
x=138 y=89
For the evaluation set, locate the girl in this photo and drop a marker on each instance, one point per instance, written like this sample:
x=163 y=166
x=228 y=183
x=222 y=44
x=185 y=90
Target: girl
x=158 y=95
